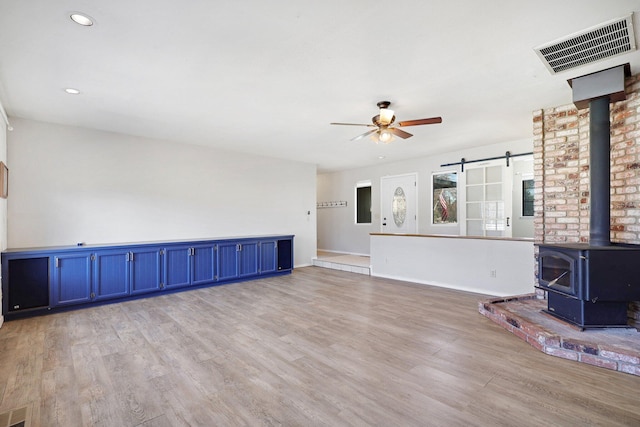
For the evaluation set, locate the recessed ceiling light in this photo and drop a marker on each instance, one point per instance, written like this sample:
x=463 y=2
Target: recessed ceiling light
x=381 y=157
x=72 y=91
x=82 y=19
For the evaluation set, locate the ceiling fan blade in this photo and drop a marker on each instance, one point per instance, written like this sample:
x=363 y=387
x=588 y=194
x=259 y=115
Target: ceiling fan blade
x=364 y=134
x=429 y=121
x=353 y=124
x=397 y=132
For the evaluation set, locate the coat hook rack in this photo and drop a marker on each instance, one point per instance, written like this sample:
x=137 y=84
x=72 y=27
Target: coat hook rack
x=336 y=204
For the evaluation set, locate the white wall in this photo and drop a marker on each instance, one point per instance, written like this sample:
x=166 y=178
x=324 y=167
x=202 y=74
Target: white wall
x=486 y=266
x=337 y=230
x=70 y=185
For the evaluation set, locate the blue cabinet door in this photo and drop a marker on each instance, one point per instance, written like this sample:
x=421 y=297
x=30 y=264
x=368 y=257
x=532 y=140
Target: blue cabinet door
x=111 y=274
x=72 y=279
x=268 y=256
x=177 y=266
x=145 y=270
x=248 y=259
x=227 y=261
x=203 y=266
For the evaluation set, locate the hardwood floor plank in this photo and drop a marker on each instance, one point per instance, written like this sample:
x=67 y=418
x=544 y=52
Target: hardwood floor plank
x=101 y=402
x=58 y=390
x=318 y=347
x=131 y=379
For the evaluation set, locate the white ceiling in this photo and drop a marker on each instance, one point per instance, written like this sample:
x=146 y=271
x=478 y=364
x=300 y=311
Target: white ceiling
x=267 y=77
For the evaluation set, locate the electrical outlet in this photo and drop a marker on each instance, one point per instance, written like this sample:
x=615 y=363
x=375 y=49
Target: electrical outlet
x=492 y=273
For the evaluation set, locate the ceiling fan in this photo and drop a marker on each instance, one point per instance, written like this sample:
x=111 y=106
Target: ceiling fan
x=382 y=122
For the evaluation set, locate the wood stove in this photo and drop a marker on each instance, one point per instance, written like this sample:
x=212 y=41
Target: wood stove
x=590 y=285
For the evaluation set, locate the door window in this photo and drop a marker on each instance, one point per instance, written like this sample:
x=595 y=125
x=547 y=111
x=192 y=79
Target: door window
x=444 y=186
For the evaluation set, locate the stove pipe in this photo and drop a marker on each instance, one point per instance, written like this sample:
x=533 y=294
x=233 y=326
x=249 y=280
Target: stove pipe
x=596 y=91
x=600 y=172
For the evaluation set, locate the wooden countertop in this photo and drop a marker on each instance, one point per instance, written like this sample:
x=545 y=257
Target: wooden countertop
x=453 y=236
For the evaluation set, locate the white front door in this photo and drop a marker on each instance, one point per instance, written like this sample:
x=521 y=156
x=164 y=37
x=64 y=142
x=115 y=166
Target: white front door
x=399 y=204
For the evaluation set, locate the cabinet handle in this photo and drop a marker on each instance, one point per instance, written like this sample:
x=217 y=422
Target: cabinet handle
x=128 y=256
x=131 y=256
x=57 y=262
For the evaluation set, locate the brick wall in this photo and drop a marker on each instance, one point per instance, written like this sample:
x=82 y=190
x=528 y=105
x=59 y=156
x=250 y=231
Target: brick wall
x=561 y=174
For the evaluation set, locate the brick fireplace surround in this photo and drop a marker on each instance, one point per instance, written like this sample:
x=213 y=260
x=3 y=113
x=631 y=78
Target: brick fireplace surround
x=561 y=175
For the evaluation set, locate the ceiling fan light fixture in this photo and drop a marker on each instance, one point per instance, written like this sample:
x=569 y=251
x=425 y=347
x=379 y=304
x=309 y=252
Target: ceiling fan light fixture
x=382 y=125
x=385 y=136
x=386 y=116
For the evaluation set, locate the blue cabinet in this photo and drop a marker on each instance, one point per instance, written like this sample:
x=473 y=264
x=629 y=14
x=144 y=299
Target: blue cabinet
x=248 y=259
x=83 y=275
x=238 y=259
x=189 y=265
x=71 y=279
x=268 y=256
x=228 y=262
x=177 y=266
x=110 y=274
x=145 y=270
x=203 y=265
x=120 y=273
x=101 y=275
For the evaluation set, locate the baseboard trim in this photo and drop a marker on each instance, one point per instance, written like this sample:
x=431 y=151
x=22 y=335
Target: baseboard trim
x=439 y=285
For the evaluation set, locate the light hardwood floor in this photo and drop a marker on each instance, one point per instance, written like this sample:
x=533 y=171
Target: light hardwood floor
x=318 y=347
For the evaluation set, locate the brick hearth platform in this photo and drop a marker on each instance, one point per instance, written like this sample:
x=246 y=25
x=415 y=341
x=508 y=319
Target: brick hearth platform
x=611 y=348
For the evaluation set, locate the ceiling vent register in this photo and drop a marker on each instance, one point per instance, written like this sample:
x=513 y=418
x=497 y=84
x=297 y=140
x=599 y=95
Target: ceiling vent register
x=594 y=44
